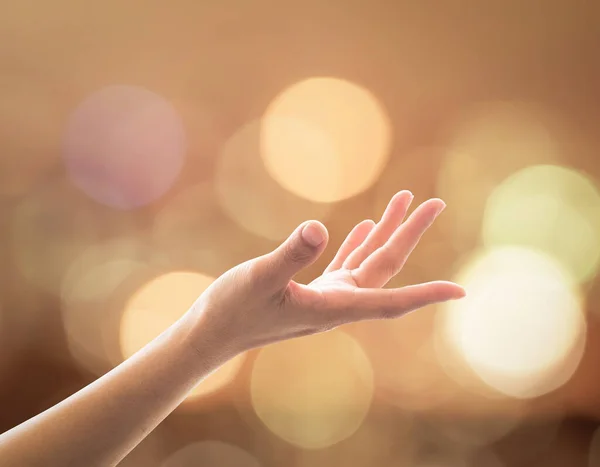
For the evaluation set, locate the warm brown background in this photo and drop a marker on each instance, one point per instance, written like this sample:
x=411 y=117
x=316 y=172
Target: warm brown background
x=221 y=64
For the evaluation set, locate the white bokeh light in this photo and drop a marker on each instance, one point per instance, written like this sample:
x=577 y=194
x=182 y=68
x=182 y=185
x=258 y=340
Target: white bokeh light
x=521 y=327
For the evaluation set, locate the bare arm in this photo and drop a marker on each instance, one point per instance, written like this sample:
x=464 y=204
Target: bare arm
x=254 y=304
x=103 y=422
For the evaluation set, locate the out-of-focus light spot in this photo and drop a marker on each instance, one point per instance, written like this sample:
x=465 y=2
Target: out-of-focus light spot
x=251 y=197
x=92 y=292
x=384 y=439
x=521 y=327
x=193 y=228
x=50 y=228
x=594 y=454
x=100 y=282
x=548 y=208
x=158 y=305
x=88 y=290
x=124 y=146
x=211 y=453
x=100 y=269
x=315 y=391
x=87 y=314
x=489 y=144
x=405 y=366
x=325 y=139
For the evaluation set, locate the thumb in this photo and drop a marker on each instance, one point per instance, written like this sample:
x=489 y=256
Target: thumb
x=301 y=249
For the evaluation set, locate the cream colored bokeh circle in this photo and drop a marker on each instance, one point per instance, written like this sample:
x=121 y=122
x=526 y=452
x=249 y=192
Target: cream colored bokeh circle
x=521 y=327
x=251 y=198
x=315 y=391
x=550 y=208
x=325 y=139
x=158 y=305
x=490 y=142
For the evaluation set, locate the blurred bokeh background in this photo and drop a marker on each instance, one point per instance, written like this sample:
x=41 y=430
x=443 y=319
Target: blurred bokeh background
x=146 y=147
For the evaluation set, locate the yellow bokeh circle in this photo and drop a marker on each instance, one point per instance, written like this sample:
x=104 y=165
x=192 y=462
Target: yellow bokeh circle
x=315 y=391
x=325 y=139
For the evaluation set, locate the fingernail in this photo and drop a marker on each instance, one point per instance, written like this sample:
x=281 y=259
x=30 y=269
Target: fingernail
x=313 y=234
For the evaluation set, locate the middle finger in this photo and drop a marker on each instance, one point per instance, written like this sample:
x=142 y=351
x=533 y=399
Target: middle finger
x=386 y=262
x=392 y=217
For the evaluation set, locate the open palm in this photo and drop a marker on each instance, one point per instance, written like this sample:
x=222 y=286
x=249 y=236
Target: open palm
x=258 y=303
x=372 y=254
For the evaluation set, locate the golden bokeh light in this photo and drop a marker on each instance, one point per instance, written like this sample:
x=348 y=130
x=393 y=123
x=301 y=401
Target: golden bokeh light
x=315 y=391
x=251 y=197
x=488 y=144
x=521 y=327
x=407 y=373
x=91 y=291
x=124 y=146
x=211 y=453
x=384 y=439
x=325 y=139
x=99 y=270
x=158 y=305
x=549 y=208
x=87 y=311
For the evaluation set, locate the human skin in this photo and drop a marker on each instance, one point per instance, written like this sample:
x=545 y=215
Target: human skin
x=254 y=304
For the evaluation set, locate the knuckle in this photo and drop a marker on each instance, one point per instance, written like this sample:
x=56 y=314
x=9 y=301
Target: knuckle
x=389 y=263
x=293 y=254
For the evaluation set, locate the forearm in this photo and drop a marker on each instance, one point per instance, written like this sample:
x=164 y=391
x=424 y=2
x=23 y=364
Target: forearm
x=103 y=422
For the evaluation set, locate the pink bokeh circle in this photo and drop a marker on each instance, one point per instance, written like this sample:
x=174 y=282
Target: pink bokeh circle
x=124 y=146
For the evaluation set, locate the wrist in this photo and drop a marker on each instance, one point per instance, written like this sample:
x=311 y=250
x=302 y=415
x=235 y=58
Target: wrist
x=207 y=337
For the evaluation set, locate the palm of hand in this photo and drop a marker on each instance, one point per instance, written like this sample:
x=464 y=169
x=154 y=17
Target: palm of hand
x=372 y=254
x=350 y=288
x=331 y=282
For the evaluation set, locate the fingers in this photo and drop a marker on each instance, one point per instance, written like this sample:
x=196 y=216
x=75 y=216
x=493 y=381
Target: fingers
x=302 y=248
x=386 y=262
x=393 y=303
x=354 y=239
x=391 y=219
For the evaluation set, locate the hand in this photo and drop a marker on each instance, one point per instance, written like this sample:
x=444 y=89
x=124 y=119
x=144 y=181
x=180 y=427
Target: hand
x=257 y=302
